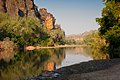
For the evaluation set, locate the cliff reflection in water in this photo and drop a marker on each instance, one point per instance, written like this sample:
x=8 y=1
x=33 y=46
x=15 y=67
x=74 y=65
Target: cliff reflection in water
x=56 y=58
x=30 y=63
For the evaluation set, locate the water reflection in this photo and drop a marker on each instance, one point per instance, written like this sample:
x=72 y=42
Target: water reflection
x=56 y=58
x=99 y=54
x=75 y=55
x=7 y=54
x=32 y=63
x=23 y=65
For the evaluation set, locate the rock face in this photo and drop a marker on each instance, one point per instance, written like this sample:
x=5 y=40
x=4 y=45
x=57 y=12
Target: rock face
x=27 y=8
x=2 y=6
x=47 y=19
x=21 y=8
x=11 y=6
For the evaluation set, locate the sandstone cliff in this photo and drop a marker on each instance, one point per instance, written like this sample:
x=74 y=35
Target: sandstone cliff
x=27 y=8
x=19 y=8
x=47 y=19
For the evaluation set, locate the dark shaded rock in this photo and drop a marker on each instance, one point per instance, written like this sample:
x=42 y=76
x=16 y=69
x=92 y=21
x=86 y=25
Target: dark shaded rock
x=46 y=76
x=21 y=13
x=31 y=9
x=3 y=6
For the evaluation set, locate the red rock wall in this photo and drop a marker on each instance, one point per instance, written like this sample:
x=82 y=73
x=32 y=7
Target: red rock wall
x=27 y=8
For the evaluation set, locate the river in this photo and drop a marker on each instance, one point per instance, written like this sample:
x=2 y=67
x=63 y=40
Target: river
x=23 y=64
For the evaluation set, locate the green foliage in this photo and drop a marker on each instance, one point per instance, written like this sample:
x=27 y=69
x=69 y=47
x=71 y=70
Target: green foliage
x=58 y=36
x=113 y=38
x=29 y=31
x=110 y=26
x=22 y=31
x=97 y=44
x=70 y=41
x=95 y=41
x=110 y=16
x=113 y=35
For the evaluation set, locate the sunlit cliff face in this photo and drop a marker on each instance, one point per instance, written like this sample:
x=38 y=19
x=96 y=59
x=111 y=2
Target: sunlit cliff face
x=47 y=19
x=49 y=22
x=27 y=8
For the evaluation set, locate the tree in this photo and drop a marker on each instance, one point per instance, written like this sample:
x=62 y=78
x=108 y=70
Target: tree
x=22 y=31
x=110 y=26
x=29 y=31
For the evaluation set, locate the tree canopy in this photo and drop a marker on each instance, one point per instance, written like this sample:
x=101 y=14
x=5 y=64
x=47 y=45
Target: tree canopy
x=28 y=31
x=110 y=26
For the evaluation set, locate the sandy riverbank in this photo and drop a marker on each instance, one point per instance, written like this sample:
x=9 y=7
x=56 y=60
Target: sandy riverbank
x=47 y=47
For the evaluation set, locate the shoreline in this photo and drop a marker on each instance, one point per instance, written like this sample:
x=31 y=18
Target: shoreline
x=50 y=47
x=108 y=69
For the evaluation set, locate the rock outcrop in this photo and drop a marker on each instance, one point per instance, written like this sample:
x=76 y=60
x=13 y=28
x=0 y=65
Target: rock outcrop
x=19 y=8
x=27 y=8
x=47 y=19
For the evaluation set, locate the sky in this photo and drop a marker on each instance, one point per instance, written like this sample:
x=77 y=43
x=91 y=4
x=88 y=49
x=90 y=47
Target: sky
x=75 y=16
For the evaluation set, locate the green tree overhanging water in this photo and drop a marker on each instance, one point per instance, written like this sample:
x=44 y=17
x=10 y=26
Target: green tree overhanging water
x=110 y=26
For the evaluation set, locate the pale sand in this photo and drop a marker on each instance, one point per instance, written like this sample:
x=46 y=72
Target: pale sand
x=47 y=47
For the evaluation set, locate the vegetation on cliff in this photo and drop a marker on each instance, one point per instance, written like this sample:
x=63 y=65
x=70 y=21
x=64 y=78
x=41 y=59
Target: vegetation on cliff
x=26 y=26
x=21 y=30
x=28 y=31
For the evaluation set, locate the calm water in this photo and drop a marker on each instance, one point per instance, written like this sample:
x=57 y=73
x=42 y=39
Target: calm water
x=74 y=56
x=32 y=63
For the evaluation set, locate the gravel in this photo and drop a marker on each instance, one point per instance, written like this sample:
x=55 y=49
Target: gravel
x=93 y=70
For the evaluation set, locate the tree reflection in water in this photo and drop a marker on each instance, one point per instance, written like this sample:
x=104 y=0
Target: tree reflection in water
x=30 y=63
x=57 y=56
x=97 y=54
x=33 y=63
